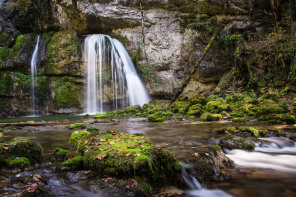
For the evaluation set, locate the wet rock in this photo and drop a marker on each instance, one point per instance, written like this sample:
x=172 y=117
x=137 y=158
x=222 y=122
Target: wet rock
x=209 y=163
x=234 y=142
x=3 y=182
x=170 y=192
x=61 y=154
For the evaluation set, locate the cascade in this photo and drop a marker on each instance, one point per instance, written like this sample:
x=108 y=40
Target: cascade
x=34 y=77
x=111 y=81
x=196 y=189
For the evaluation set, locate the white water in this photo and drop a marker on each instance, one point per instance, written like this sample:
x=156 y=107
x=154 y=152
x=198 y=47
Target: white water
x=34 y=78
x=111 y=75
x=196 y=188
x=277 y=154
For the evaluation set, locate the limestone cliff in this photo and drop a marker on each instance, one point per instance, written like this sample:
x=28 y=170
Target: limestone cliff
x=164 y=38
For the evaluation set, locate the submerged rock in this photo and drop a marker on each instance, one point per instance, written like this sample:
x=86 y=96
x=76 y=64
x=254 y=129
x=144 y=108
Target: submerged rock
x=234 y=142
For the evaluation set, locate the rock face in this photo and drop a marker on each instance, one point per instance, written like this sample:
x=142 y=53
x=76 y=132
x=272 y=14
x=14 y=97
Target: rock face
x=164 y=38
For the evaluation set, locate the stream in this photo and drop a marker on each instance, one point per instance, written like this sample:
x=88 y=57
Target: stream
x=269 y=170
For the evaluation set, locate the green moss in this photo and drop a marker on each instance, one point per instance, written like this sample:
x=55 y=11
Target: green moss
x=5 y=82
x=62 y=52
x=61 y=154
x=179 y=107
x=1 y=129
x=119 y=154
x=93 y=129
x=77 y=126
x=226 y=130
x=77 y=136
x=195 y=110
x=101 y=116
x=251 y=130
x=269 y=107
x=66 y=92
x=237 y=114
x=217 y=106
x=263 y=118
x=26 y=148
x=198 y=99
x=234 y=142
x=17 y=162
x=76 y=162
x=239 y=119
x=159 y=116
x=210 y=117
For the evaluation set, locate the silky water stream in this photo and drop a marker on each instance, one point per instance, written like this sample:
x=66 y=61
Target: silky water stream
x=269 y=170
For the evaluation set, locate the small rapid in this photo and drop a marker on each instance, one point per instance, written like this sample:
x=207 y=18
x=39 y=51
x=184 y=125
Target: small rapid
x=196 y=189
x=273 y=153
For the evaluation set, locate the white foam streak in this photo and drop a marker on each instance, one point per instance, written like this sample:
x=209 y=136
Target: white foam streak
x=285 y=163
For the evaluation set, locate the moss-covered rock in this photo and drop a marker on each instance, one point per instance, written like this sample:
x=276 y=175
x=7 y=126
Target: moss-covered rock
x=119 y=154
x=198 y=99
x=61 y=154
x=269 y=107
x=239 y=119
x=159 y=116
x=234 y=142
x=226 y=130
x=67 y=92
x=217 y=106
x=101 y=116
x=195 y=110
x=179 y=107
x=17 y=162
x=237 y=114
x=209 y=163
x=76 y=163
x=26 y=148
x=77 y=126
x=210 y=117
x=76 y=137
x=251 y=130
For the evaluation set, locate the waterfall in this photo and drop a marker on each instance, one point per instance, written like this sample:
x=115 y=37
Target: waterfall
x=111 y=81
x=34 y=77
